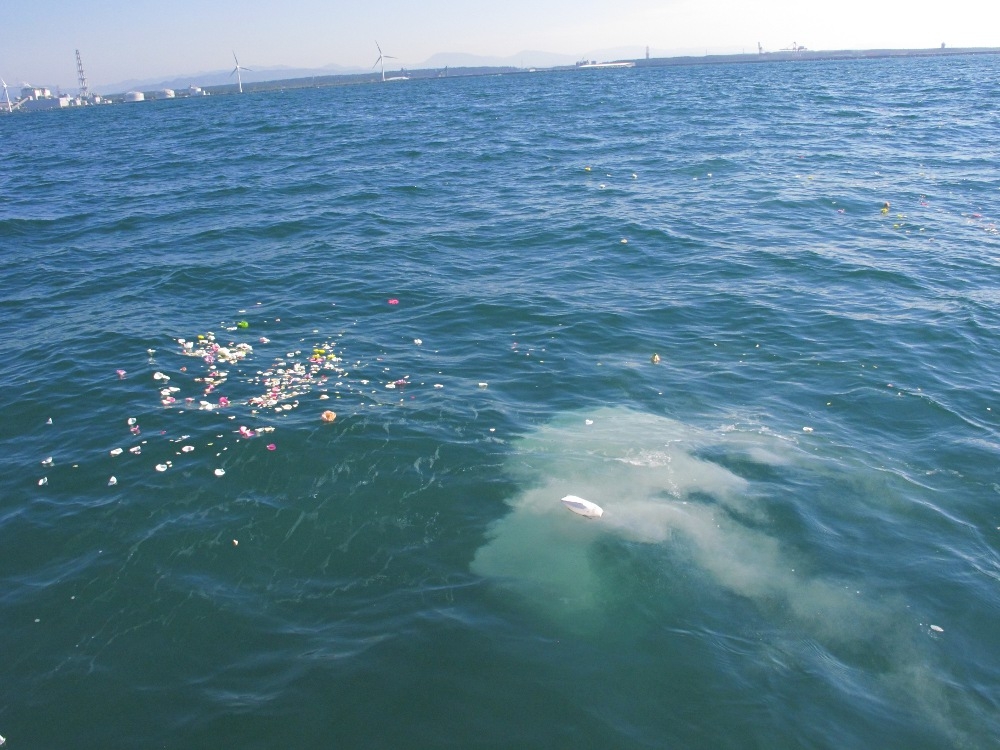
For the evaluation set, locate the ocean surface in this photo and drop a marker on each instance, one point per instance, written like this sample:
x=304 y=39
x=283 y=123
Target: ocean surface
x=800 y=545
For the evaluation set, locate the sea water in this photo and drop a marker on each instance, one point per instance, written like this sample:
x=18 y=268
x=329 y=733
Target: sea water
x=799 y=545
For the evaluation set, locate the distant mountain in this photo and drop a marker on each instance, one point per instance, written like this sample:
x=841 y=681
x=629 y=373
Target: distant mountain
x=223 y=77
x=528 y=58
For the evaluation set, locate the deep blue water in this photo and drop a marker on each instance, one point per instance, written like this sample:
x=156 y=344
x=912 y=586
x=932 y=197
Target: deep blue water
x=801 y=539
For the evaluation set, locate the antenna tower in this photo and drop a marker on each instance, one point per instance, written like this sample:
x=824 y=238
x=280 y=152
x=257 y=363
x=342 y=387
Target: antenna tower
x=84 y=91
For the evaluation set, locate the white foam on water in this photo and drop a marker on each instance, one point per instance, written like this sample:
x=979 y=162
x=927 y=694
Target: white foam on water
x=701 y=520
x=643 y=471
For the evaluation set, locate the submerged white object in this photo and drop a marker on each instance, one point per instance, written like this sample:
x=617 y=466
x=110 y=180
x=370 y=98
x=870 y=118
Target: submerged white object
x=583 y=507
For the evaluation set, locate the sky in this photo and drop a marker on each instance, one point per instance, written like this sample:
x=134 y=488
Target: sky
x=143 y=40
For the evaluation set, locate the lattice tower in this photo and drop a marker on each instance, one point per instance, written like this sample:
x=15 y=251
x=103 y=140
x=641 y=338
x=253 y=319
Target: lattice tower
x=84 y=91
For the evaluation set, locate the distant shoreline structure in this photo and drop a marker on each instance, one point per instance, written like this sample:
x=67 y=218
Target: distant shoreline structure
x=801 y=53
x=595 y=64
x=797 y=54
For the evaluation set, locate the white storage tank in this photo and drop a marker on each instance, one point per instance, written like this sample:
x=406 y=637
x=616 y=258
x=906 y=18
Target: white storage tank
x=135 y=96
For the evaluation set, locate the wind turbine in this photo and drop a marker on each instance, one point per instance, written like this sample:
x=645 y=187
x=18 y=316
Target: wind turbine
x=237 y=70
x=381 y=60
x=6 y=95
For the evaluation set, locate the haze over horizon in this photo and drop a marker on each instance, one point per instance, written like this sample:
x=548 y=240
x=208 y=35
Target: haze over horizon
x=144 y=40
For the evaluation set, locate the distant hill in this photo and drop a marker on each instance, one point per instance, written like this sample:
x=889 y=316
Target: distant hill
x=529 y=58
x=223 y=77
x=526 y=59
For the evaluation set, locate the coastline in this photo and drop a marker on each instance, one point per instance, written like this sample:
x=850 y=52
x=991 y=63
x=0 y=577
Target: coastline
x=655 y=62
x=756 y=58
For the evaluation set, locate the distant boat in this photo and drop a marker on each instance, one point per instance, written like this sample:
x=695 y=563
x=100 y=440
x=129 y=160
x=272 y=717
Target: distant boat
x=594 y=64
